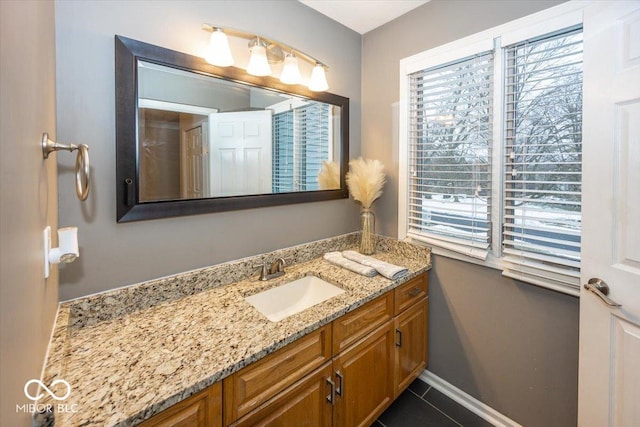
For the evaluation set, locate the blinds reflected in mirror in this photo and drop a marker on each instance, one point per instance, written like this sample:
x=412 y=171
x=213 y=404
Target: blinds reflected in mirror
x=283 y=154
x=302 y=141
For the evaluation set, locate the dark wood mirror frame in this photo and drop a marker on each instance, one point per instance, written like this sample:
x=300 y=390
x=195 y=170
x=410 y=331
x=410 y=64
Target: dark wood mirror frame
x=129 y=207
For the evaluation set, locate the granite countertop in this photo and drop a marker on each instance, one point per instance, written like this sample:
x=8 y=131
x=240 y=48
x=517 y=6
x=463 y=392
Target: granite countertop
x=127 y=358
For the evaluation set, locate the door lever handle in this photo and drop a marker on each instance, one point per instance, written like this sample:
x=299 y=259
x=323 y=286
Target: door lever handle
x=601 y=289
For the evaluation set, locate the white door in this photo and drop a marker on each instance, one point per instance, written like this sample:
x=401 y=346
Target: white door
x=240 y=153
x=609 y=373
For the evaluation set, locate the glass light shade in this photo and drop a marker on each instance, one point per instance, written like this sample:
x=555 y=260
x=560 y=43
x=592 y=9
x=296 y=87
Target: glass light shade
x=258 y=63
x=219 y=53
x=290 y=71
x=318 y=82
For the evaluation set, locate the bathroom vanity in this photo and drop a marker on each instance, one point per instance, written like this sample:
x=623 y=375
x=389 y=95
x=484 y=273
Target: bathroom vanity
x=190 y=350
x=345 y=374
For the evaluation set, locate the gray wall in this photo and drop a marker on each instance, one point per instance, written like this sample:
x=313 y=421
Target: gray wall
x=511 y=345
x=28 y=199
x=114 y=255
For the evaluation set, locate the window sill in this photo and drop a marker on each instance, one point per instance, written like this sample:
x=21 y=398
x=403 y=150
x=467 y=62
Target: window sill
x=495 y=263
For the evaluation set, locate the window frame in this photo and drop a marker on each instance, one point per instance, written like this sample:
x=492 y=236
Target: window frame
x=550 y=20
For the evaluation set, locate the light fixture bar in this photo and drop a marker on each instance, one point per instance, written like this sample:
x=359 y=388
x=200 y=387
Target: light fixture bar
x=250 y=36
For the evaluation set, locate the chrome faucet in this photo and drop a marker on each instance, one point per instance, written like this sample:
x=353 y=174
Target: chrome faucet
x=271 y=270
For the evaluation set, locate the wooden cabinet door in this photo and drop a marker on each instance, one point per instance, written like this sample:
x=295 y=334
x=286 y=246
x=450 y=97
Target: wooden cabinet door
x=411 y=338
x=305 y=404
x=203 y=409
x=363 y=376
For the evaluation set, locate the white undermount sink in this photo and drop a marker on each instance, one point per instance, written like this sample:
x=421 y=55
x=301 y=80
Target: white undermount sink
x=293 y=297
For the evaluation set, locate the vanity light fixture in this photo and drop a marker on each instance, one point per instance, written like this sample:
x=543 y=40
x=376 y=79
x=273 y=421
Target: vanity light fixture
x=264 y=53
x=219 y=52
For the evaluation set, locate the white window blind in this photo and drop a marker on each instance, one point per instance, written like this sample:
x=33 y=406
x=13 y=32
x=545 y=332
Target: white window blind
x=449 y=155
x=312 y=143
x=283 y=154
x=543 y=144
x=301 y=142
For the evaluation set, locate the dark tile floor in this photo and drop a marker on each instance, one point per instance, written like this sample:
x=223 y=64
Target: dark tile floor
x=422 y=405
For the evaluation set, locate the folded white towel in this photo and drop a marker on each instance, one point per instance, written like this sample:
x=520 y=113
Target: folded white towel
x=390 y=271
x=337 y=259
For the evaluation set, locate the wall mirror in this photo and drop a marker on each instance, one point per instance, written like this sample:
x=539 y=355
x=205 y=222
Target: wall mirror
x=195 y=138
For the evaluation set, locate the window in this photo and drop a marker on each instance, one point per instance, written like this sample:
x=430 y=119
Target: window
x=490 y=149
x=450 y=154
x=543 y=145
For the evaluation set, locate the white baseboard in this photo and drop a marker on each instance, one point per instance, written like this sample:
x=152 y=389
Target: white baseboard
x=471 y=403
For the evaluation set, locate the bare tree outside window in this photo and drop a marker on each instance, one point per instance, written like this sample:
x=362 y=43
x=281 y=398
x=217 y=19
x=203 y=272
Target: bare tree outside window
x=544 y=146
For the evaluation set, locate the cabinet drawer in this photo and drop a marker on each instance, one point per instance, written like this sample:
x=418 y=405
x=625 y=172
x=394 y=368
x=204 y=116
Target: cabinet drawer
x=351 y=327
x=255 y=384
x=203 y=409
x=411 y=292
x=304 y=403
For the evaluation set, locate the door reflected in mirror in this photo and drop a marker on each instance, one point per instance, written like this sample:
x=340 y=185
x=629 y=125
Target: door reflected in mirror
x=204 y=137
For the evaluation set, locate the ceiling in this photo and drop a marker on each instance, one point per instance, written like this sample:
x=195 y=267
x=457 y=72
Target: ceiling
x=363 y=15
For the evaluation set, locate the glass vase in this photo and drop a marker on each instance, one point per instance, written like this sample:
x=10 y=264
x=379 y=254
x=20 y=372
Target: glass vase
x=368 y=240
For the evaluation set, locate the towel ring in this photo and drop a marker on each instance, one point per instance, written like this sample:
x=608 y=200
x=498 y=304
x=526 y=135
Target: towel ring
x=83 y=169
